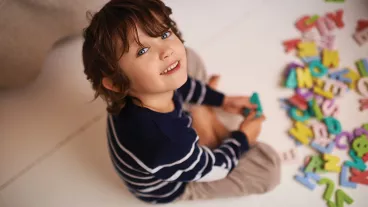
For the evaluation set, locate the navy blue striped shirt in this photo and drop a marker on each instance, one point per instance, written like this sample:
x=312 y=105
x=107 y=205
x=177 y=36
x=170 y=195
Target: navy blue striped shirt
x=157 y=154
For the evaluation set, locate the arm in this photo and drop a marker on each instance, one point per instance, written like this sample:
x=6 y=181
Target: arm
x=196 y=92
x=200 y=164
x=180 y=158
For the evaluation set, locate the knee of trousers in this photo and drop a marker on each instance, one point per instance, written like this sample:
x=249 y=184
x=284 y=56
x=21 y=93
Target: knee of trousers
x=273 y=174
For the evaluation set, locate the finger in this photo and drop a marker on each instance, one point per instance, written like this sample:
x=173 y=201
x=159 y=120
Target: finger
x=261 y=118
x=251 y=116
x=250 y=105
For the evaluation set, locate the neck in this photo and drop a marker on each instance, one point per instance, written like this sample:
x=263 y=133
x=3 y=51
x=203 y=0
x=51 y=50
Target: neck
x=160 y=102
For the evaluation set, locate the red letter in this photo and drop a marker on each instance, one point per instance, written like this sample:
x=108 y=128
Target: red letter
x=337 y=18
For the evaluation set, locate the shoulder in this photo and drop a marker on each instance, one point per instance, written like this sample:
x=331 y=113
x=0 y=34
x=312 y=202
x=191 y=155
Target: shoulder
x=150 y=139
x=136 y=124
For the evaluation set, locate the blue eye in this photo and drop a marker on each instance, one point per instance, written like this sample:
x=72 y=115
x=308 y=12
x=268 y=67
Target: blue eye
x=142 y=51
x=166 y=35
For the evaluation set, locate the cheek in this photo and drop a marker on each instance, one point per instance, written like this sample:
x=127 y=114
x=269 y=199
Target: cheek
x=143 y=73
x=179 y=46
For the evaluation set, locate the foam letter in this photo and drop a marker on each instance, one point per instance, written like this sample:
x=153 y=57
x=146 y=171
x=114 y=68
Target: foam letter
x=333 y=125
x=338 y=137
x=304 y=78
x=363 y=86
x=330 y=58
x=307 y=49
x=337 y=18
x=332 y=163
x=301 y=132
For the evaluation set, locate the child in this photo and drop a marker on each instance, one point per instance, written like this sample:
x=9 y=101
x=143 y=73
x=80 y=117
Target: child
x=135 y=59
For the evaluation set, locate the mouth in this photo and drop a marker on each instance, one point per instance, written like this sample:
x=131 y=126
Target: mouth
x=172 y=68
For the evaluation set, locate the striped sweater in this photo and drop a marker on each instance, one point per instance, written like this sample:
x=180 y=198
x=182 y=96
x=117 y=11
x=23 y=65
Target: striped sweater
x=157 y=154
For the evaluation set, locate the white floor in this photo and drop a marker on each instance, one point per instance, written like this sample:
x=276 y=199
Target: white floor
x=52 y=138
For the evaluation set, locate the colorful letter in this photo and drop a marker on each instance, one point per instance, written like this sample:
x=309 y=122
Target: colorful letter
x=332 y=163
x=344 y=178
x=337 y=18
x=307 y=49
x=308 y=180
x=291 y=44
x=357 y=163
x=291 y=81
x=301 y=132
x=304 y=78
x=333 y=125
x=330 y=58
x=362 y=66
x=315 y=165
x=336 y=87
x=317 y=69
x=363 y=86
x=330 y=108
x=340 y=75
x=338 y=137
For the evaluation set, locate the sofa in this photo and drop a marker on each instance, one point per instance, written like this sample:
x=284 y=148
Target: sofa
x=30 y=28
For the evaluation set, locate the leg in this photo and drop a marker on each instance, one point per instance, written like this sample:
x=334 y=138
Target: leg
x=258 y=172
x=205 y=122
x=209 y=129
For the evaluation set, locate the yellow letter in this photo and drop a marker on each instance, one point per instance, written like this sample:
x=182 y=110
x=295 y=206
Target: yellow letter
x=301 y=133
x=354 y=77
x=332 y=163
x=304 y=78
x=330 y=58
x=307 y=49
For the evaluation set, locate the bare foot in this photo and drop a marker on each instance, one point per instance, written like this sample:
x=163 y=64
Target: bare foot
x=213 y=81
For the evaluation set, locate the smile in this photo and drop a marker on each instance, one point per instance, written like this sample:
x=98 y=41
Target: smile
x=172 y=68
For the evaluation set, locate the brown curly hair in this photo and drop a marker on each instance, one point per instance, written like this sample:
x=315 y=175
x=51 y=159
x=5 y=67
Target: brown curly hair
x=112 y=26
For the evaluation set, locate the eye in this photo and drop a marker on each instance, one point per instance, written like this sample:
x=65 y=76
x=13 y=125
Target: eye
x=142 y=51
x=165 y=35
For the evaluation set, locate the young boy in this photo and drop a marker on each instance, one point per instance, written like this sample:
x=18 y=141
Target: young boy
x=135 y=59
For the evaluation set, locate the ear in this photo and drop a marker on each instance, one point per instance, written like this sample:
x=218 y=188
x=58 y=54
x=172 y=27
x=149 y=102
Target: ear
x=107 y=83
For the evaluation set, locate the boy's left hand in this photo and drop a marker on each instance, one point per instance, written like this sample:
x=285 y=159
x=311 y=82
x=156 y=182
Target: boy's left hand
x=236 y=104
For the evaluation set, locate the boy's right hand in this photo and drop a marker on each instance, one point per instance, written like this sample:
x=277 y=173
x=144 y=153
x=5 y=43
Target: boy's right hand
x=251 y=127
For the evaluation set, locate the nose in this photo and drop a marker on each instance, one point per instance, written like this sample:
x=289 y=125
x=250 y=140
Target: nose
x=166 y=52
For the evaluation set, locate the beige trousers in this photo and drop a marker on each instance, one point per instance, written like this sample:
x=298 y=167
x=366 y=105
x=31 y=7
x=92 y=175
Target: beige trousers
x=258 y=172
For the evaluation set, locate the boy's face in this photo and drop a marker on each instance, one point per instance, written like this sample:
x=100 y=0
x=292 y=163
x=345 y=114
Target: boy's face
x=159 y=66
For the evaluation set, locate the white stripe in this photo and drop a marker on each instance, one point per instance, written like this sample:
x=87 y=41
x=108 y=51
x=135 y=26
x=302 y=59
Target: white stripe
x=139 y=184
x=235 y=159
x=203 y=94
x=191 y=90
x=161 y=196
x=128 y=174
x=179 y=172
x=190 y=121
x=122 y=161
x=180 y=97
x=211 y=154
x=199 y=175
x=217 y=173
x=232 y=140
x=150 y=189
x=129 y=181
x=154 y=170
x=229 y=165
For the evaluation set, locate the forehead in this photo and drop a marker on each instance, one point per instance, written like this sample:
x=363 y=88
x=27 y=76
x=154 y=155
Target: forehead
x=131 y=32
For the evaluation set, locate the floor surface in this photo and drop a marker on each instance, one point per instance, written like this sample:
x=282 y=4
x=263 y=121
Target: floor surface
x=53 y=150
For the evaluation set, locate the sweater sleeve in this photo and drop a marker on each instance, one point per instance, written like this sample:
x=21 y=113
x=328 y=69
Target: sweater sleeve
x=196 y=92
x=181 y=159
